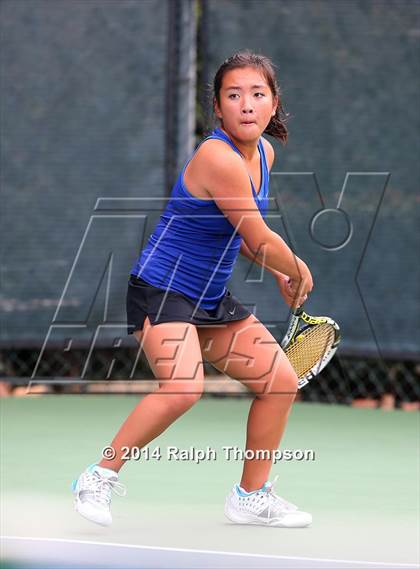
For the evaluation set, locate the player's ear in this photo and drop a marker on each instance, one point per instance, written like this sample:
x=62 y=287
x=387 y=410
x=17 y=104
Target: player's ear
x=275 y=105
x=216 y=108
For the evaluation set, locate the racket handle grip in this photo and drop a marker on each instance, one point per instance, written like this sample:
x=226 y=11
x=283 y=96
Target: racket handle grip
x=298 y=311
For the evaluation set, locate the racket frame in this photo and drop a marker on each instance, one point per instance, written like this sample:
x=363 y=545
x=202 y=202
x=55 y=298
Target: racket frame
x=298 y=315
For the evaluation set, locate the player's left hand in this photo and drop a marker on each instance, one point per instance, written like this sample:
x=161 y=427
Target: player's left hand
x=288 y=293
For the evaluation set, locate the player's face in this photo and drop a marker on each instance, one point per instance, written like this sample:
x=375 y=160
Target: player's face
x=246 y=103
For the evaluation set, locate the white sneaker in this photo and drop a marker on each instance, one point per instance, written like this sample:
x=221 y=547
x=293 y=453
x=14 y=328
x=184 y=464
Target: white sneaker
x=92 y=492
x=264 y=507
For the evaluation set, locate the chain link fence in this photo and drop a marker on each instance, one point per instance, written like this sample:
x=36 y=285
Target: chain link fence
x=158 y=99
x=346 y=380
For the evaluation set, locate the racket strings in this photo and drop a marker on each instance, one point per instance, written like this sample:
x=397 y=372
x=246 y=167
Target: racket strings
x=310 y=347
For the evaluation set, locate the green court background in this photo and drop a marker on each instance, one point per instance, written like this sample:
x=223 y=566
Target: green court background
x=362 y=487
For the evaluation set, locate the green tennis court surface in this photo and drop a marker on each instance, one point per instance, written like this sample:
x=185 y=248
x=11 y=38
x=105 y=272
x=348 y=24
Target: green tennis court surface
x=362 y=488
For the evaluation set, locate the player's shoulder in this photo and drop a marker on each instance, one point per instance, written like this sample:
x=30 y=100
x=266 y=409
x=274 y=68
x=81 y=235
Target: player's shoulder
x=214 y=152
x=217 y=153
x=269 y=152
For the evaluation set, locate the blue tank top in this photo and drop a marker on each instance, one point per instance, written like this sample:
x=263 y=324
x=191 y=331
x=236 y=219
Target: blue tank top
x=193 y=247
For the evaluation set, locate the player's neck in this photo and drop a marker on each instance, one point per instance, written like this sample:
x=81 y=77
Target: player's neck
x=248 y=149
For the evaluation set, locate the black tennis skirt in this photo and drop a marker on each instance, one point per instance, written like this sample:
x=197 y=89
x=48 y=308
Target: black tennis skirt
x=160 y=305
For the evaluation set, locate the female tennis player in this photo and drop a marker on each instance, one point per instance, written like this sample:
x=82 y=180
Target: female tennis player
x=180 y=311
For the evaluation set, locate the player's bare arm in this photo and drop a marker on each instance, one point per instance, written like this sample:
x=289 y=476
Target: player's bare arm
x=226 y=180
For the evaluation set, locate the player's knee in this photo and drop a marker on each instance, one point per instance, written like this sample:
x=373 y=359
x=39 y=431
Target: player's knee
x=192 y=398
x=284 y=383
x=290 y=381
x=183 y=401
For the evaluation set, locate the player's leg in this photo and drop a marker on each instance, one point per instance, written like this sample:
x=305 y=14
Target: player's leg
x=174 y=355
x=246 y=351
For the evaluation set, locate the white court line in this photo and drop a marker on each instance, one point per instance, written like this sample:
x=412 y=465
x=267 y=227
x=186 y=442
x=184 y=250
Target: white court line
x=214 y=552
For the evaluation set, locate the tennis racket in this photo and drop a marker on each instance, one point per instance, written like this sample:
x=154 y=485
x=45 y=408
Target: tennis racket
x=310 y=342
